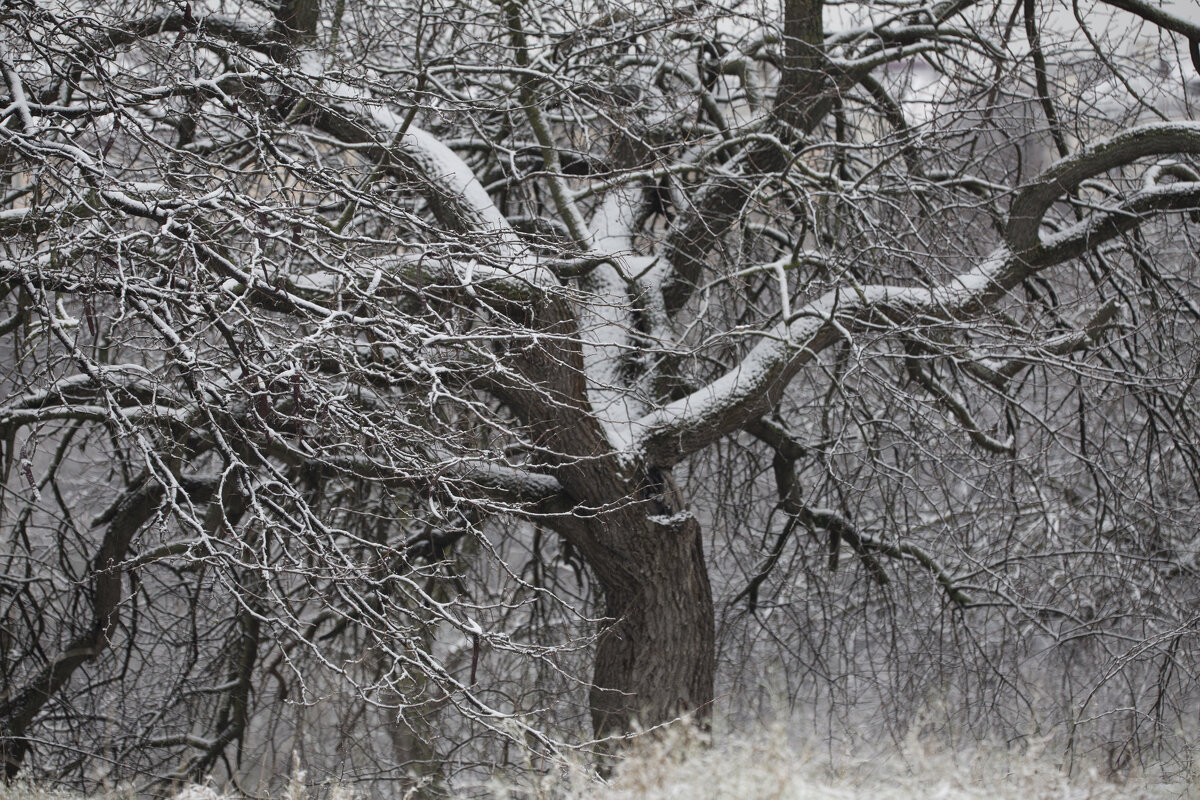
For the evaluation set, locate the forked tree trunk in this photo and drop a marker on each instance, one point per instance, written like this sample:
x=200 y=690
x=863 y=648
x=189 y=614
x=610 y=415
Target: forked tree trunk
x=655 y=660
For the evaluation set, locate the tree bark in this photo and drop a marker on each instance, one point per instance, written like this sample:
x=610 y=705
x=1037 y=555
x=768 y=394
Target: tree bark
x=656 y=660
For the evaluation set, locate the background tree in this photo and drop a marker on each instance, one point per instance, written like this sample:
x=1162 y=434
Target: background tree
x=431 y=353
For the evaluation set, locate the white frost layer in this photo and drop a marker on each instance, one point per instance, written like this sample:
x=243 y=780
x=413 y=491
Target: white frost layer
x=782 y=348
x=441 y=167
x=605 y=316
x=441 y=163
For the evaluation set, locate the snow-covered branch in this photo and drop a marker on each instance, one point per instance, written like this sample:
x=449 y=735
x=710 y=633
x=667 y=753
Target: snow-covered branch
x=756 y=384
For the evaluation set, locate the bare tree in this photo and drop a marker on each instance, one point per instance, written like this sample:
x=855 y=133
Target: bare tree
x=317 y=316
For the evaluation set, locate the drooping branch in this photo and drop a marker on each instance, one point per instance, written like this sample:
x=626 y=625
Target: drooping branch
x=838 y=528
x=958 y=407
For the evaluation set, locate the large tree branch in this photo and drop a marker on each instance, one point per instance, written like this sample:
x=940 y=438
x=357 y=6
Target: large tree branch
x=1030 y=205
x=486 y=479
x=1162 y=15
x=756 y=384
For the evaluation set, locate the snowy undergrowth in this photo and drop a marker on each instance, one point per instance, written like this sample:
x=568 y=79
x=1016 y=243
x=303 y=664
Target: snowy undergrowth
x=679 y=766
x=768 y=767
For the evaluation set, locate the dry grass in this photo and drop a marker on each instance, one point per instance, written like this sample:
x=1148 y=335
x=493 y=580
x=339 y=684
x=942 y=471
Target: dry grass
x=768 y=767
x=679 y=766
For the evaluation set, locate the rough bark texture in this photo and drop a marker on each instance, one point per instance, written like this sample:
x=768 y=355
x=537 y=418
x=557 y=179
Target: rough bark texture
x=804 y=90
x=656 y=661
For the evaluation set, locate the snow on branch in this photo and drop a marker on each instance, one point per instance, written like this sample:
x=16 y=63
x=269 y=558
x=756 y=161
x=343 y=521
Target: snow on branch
x=454 y=193
x=497 y=481
x=1178 y=16
x=755 y=385
x=1025 y=215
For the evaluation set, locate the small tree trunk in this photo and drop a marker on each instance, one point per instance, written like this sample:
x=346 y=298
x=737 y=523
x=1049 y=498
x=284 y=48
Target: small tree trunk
x=655 y=662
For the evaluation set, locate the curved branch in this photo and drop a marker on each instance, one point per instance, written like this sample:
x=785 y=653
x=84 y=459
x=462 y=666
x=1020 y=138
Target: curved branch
x=1031 y=204
x=755 y=385
x=1154 y=12
x=105 y=577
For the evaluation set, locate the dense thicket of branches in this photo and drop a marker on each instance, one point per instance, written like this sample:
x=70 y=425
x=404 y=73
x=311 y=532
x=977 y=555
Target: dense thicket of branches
x=402 y=384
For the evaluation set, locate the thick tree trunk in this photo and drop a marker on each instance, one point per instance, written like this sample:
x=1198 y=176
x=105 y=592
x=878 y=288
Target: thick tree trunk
x=655 y=662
